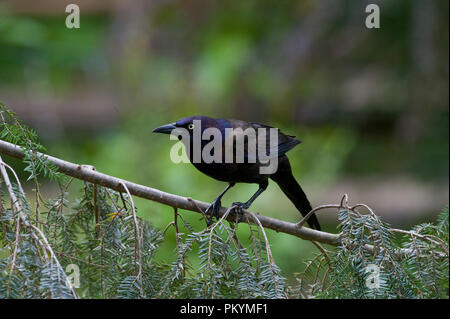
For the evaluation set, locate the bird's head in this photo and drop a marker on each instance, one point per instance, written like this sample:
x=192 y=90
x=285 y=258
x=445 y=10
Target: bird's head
x=187 y=124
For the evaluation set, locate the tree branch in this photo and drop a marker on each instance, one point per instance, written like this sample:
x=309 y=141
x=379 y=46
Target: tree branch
x=89 y=174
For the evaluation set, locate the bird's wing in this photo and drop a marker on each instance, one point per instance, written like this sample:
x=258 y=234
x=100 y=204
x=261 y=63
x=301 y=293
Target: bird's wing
x=283 y=144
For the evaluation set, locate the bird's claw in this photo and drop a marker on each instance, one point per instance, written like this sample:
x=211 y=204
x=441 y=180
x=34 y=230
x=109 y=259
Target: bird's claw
x=238 y=210
x=213 y=210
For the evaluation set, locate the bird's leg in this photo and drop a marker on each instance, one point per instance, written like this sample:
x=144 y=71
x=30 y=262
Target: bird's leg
x=213 y=209
x=241 y=206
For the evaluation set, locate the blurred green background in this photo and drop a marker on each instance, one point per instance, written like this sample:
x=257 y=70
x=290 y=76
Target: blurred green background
x=370 y=105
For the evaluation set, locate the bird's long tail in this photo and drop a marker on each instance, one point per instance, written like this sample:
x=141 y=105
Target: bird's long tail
x=295 y=193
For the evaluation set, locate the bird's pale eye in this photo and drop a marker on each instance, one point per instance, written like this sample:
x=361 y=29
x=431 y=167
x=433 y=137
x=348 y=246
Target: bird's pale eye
x=191 y=126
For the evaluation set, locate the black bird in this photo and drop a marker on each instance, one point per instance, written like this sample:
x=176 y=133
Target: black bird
x=248 y=171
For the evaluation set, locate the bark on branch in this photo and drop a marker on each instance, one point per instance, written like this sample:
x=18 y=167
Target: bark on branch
x=89 y=174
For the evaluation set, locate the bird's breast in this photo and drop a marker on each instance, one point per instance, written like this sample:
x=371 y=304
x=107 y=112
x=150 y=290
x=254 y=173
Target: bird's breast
x=232 y=172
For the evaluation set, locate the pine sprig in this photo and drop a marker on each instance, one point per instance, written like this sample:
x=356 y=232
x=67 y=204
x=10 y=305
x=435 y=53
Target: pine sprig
x=14 y=131
x=418 y=268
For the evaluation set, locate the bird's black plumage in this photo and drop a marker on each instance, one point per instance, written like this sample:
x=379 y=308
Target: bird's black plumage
x=249 y=170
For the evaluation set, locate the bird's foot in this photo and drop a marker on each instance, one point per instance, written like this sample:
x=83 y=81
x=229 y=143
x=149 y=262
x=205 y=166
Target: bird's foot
x=213 y=210
x=238 y=210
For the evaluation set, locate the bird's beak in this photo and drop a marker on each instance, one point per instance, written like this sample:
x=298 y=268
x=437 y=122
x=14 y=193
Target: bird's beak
x=166 y=129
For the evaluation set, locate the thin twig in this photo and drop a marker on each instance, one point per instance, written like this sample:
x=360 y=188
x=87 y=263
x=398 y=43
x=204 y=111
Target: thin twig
x=138 y=253
x=269 y=252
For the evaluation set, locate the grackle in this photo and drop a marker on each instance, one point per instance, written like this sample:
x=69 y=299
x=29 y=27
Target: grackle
x=247 y=170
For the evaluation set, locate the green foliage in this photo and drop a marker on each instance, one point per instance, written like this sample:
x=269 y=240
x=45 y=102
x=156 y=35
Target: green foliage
x=418 y=268
x=427 y=263
x=227 y=269
x=114 y=262
x=114 y=250
x=12 y=130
